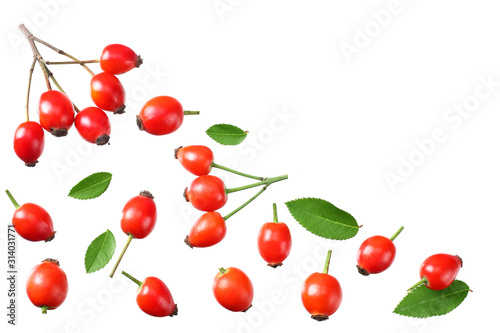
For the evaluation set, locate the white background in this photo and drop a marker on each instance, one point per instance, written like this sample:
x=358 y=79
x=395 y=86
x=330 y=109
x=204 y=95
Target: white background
x=335 y=124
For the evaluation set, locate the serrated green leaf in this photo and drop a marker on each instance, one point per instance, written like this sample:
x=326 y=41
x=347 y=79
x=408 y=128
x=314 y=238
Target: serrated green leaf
x=100 y=252
x=91 y=187
x=323 y=219
x=226 y=134
x=423 y=302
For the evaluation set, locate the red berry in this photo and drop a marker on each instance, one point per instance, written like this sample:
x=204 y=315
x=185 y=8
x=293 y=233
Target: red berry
x=440 y=270
x=47 y=285
x=207 y=193
x=56 y=112
x=33 y=223
x=208 y=230
x=160 y=115
x=375 y=255
x=93 y=125
x=139 y=215
x=29 y=141
x=195 y=159
x=274 y=241
x=321 y=294
x=118 y=59
x=155 y=299
x=233 y=289
x=107 y=92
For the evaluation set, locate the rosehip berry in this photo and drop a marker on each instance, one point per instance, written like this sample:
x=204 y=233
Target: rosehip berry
x=233 y=289
x=32 y=222
x=376 y=254
x=438 y=271
x=29 y=141
x=154 y=297
x=206 y=193
x=93 y=125
x=274 y=241
x=208 y=230
x=138 y=220
x=56 y=112
x=139 y=215
x=47 y=285
x=195 y=159
x=321 y=293
x=107 y=92
x=118 y=59
x=160 y=115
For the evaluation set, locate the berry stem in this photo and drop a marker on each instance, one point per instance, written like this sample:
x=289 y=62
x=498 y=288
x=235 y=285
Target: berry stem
x=267 y=182
x=29 y=36
x=44 y=309
x=32 y=68
x=397 y=233
x=245 y=204
x=327 y=262
x=52 y=77
x=139 y=283
x=14 y=202
x=422 y=281
x=275 y=213
x=129 y=239
x=188 y=113
x=215 y=165
x=95 y=61
x=63 y=53
x=222 y=270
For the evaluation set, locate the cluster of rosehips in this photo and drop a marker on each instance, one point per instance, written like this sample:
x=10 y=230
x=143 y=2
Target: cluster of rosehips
x=159 y=116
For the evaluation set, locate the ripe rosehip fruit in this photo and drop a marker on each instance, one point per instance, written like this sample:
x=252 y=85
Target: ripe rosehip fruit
x=195 y=159
x=206 y=193
x=118 y=59
x=160 y=115
x=47 y=285
x=29 y=141
x=32 y=222
x=233 y=289
x=208 y=230
x=56 y=112
x=321 y=294
x=440 y=270
x=154 y=297
x=107 y=92
x=274 y=241
x=93 y=125
x=376 y=254
x=139 y=215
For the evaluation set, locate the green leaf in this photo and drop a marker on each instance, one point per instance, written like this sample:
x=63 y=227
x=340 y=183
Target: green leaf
x=322 y=218
x=423 y=302
x=91 y=187
x=100 y=252
x=225 y=134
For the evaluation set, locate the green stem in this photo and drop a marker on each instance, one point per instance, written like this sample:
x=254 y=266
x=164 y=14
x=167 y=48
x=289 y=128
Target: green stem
x=52 y=77
x=188 y=113
x=63 y=53
x=139 y=283
x=267 y=182
x=327 y=262
x=32 y=68
x=222 y=270
x=44 y=309
x=397 y=233
x=422 y=281
x=129 y=239
x=245 y=204
x=275 y=214
x=12 y=199
x=95 y=61
x=215 y=165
